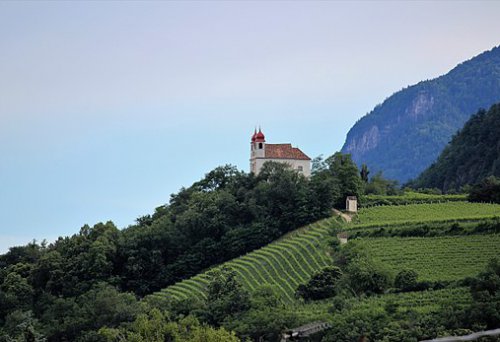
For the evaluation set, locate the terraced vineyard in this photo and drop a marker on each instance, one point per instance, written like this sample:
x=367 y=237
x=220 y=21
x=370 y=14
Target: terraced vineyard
x=383 y=215
x=409 y=197
x=436 y=258
x=284 y=264
x=291 y=260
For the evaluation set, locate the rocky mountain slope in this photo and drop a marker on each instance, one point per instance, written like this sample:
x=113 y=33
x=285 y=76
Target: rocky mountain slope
x=406 y=133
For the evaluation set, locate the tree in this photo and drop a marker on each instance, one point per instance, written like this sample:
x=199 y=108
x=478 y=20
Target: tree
x=266 y=318
x=226 y=297
x=155 y=326
x=346 y=173
x=485 y=290
x=103 y=305
x=18 y=292
x=48 y=273
x=21 y=254
x=321 y=285
x=208 y=334
x=21 y=326
x=364 y=276
x=406 y=280
x=378 y=185
x=364 y=173
x=488 y=190
x=218 y=178
x=283 y=194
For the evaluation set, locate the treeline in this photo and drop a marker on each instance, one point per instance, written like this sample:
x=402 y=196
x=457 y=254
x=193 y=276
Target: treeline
x=75 y=285
x=472 y=155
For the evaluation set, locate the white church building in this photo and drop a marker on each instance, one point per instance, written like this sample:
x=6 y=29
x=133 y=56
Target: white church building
x=260 y=152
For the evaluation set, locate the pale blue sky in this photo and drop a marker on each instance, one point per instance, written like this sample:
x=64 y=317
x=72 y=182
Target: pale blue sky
x=106 y=108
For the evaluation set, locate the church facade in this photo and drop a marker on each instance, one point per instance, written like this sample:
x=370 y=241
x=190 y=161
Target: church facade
x=261 y=152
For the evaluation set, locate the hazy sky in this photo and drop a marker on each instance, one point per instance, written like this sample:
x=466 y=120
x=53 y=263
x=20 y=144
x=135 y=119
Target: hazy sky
x=106 y=108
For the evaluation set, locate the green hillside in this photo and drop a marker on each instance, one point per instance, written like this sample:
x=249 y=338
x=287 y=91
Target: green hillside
x=445 y=243
x=472 y=154
x=425 y=212
x=440 y=258
x=283 y=264
x=293 y=259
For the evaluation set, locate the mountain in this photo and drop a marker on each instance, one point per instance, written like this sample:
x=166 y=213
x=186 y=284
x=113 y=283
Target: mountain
x=472 y=154
x=406 y=133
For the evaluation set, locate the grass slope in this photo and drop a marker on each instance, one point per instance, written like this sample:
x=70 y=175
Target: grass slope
x=383 y=215
x=284 y=264
x=292 y=259
x=434 y=258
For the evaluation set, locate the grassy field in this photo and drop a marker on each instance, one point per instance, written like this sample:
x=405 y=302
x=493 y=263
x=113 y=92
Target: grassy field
x=409 y=197
x=435 y=258
x=383 y=215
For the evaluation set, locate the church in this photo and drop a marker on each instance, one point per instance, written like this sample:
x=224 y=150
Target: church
x=260 y=152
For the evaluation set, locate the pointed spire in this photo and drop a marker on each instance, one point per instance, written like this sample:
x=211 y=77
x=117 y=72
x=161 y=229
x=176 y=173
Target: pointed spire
x=260 y=136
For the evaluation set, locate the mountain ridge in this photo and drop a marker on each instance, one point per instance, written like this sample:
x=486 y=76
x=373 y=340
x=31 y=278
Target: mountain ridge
x=406 y=132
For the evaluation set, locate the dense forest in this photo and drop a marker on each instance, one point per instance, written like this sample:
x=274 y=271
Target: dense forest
x=472 y=155
x=68 y=289
x=407 y=132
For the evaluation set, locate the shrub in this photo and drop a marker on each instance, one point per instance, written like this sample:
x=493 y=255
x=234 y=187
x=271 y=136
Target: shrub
x=321 y=285
x=488 y=190
x=364 y=276
x=406 y=280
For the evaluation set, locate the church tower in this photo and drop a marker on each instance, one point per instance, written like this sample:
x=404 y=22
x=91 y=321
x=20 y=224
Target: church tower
x=257 y=149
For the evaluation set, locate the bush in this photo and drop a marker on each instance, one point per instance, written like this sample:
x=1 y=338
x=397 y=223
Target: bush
x=406 y=280
x=321 y=285
x=488 y=190
x=364 y=276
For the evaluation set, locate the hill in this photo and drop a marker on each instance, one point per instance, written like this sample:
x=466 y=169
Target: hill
x=223 y=216
x=406 y=133
x=445 y=243
x=294 y=258
x=472 y=155
x=283 y=264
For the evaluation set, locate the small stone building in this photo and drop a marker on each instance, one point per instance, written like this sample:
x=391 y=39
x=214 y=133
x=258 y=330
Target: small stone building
x=261 y=152
x=351 y=204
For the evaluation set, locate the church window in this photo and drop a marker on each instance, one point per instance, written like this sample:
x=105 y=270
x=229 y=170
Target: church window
x=300 y=168
x=260 y=146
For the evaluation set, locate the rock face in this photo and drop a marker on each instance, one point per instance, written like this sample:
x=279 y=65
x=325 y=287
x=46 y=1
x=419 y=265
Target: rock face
x=407 y=132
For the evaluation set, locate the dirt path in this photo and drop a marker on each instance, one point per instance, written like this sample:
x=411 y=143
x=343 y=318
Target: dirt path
x=343 y=236
x=346 y=217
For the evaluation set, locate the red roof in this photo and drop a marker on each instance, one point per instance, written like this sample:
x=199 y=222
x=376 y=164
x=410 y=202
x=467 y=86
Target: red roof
x=284 y=151
x=259 y=137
